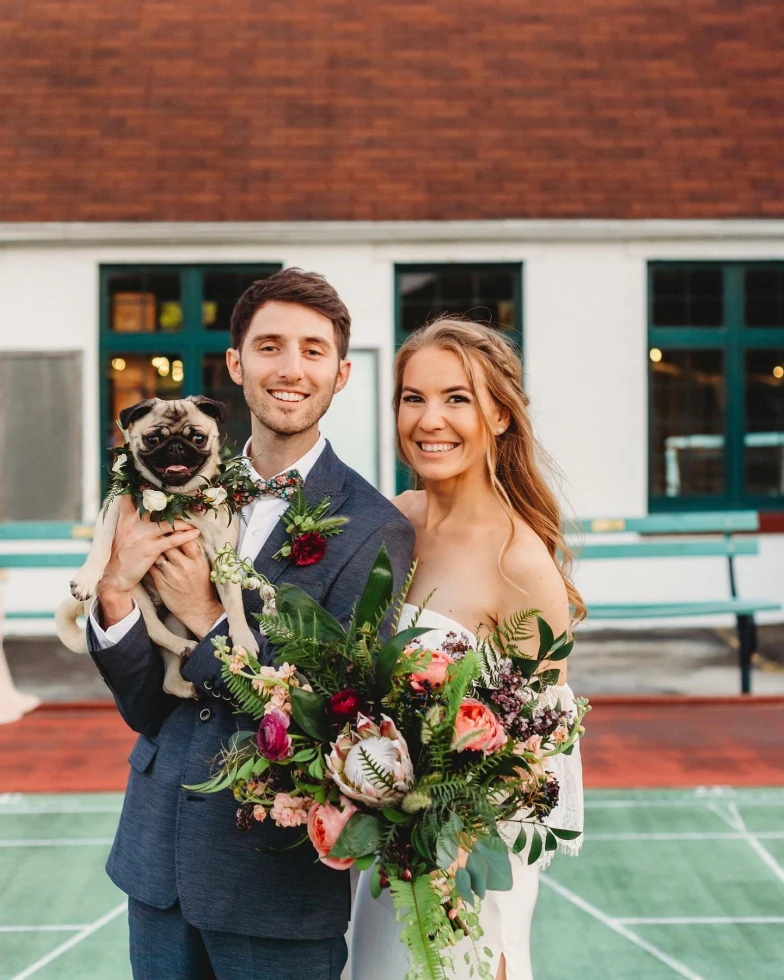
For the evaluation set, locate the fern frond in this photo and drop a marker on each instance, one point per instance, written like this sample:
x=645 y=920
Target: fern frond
x=399 y=599
x=422 y=919
x=242 y=692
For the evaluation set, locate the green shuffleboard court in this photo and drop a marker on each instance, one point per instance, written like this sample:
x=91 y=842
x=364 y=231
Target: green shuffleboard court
x=669 y=884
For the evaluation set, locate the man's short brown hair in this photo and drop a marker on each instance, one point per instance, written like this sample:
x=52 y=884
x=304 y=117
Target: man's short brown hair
x=309 y=289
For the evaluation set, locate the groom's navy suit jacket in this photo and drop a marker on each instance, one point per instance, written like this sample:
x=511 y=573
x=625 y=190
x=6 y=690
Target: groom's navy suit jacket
x=173 y=844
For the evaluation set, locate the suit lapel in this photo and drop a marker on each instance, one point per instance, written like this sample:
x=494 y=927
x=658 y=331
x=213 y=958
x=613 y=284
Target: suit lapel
x=326 y=479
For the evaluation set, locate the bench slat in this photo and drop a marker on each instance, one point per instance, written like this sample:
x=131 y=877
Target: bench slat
x=48 y=560
x=669 y=549
x=682 y=523
x=45 y=530
x=660 y=610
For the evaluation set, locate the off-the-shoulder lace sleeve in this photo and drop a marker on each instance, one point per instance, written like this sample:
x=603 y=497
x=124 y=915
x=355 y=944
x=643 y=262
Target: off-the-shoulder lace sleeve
x=568 y=770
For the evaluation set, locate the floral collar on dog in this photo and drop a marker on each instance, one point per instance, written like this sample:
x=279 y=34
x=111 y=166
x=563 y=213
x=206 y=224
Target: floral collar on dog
x=230 y=489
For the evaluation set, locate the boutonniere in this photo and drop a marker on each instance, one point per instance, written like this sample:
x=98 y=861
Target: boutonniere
x=229 y=490
x=308 y=530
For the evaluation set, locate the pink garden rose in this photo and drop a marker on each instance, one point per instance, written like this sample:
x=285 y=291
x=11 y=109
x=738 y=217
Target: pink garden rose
x=325 y=823
x=290 y=811
x=474 y=718
x=434 y=673
x=272 y=738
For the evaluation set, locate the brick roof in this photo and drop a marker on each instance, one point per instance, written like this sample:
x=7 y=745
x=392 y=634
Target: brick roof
x=235 y=110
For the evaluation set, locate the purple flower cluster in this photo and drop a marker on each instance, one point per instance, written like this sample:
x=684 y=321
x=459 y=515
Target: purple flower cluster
x=511 y=697
x=456 y=646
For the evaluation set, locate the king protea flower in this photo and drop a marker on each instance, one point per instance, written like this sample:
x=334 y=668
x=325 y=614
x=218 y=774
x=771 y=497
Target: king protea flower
x=371 y=763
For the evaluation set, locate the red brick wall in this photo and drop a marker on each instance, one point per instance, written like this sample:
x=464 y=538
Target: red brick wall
x=254 y=110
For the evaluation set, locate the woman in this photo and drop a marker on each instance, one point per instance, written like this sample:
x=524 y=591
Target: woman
x=487 y=535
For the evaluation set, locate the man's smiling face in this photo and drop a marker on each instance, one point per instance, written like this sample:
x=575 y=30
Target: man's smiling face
x=288 y=367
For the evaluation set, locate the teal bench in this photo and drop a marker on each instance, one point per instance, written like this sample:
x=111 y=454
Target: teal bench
x=48 y=531
x=685 y=539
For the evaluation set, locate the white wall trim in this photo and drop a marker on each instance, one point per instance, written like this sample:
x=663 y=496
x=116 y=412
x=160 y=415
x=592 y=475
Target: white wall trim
x=386 y=232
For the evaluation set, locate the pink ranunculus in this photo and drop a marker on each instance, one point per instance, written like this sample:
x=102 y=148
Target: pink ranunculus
x=325 y=823
x=473 y=718
x=290 y=811
x=272 y=738
x=434 y=673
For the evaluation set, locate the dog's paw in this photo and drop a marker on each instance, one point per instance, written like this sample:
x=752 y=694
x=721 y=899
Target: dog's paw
x=243 y=637
x=83 y=587
x=186 y=648
x=178 y=686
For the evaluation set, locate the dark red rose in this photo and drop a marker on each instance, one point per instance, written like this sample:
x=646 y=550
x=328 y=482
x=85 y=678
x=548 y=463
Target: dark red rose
x=307 y=549
x=344 y=706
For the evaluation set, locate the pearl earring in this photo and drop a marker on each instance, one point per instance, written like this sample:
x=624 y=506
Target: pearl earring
x=501 y=431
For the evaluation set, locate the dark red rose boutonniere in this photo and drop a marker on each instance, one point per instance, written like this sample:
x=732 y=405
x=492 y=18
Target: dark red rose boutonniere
x=344 y=706
x=308 y=530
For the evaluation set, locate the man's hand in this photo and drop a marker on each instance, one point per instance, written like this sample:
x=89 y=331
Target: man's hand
x=183 y=581
x=136 y=545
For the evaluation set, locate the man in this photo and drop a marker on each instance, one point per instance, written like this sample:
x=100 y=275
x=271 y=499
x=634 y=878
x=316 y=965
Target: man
x=207 y=900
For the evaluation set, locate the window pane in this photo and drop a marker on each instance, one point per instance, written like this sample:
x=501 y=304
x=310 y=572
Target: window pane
x=218 y=385
x=40 y=437
x=481 y=293
x=764 y=297
x=687 y=428
x=221 y=290
x=144 y=302
x=764 y=439
x=134 y=377
x=688 y=297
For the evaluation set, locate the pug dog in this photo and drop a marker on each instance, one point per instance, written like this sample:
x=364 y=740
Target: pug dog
x=175 y=446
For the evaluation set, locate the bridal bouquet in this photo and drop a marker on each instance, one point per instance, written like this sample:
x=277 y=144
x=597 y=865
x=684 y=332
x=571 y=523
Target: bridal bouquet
x=426 y=766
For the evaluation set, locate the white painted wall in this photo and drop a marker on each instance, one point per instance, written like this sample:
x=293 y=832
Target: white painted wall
x=585 y=356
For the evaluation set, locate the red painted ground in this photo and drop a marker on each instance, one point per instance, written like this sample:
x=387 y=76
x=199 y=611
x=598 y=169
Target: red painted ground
x=630 y=743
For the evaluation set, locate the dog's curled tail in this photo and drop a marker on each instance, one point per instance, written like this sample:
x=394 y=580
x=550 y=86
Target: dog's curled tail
x=68 y=629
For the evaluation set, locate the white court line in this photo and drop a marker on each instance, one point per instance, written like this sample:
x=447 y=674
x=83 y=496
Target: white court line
x=697 y=803
x=32 y=811
x=58 y=842
x=709 y=920
x=690 y=835
x=617 y=927
x=42 y=928
x=734 y=819
x=73 y=941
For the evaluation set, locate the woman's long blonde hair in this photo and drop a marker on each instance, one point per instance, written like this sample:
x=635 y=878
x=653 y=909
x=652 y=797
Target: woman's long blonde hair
x=515 y=459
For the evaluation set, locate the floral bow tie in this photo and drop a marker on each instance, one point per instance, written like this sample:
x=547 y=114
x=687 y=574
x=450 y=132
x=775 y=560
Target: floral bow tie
x=285 y=485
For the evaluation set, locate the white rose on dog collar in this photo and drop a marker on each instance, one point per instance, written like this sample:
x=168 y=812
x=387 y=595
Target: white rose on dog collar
x=154 y=500
x=215 y=495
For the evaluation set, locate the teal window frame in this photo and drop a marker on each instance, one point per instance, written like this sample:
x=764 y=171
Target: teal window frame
x=733 y=339
x=402 y=478
x=193 y=340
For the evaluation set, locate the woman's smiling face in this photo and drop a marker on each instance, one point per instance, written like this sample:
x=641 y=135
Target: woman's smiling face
x=439 y=419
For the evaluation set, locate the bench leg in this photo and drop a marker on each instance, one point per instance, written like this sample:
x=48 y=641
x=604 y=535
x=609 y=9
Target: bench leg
x=747 y=642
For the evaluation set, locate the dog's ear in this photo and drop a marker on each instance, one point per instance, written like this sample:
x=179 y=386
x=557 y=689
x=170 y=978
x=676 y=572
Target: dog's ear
x=216 y=410
x=137 y=411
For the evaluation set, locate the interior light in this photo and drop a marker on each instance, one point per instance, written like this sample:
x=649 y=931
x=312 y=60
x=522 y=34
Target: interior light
x=118 y=363
x=156 y=362
x=655 y=355
x=778 y=371
x=162 y=365
x=176 y=371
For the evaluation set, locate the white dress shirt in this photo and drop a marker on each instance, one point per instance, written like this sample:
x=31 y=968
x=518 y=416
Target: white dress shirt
x=257 y=520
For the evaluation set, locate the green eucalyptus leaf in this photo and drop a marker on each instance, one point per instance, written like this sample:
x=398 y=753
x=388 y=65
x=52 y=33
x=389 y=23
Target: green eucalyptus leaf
x=566 y=834
x=395 y=816
x=365 y=862
x=496 y=854
x=308 y=710
x=388 y=657
x=546 y=638
x=520 y=842
x=550 y=841
x=477 y=868
x=375 y=880
x=536 y=847
x=360 y=836
x=377 y=592
x=463 y=886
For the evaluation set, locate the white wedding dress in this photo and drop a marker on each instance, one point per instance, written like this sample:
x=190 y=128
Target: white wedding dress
x=376 y=951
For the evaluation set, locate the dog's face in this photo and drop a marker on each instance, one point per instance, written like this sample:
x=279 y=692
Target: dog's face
x=175 y=444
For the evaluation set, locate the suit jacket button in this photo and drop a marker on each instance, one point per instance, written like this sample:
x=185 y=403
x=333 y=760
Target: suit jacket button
x=208 y=685
x=205 y=714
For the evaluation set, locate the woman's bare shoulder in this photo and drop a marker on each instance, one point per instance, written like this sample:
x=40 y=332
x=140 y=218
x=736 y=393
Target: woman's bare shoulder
x=409 y=502
x=532 y=579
